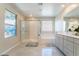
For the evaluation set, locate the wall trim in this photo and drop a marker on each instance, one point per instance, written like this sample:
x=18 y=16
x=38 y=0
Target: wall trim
x=4 y=52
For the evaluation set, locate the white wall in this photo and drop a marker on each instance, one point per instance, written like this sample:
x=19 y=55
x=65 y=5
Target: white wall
x=9 y=42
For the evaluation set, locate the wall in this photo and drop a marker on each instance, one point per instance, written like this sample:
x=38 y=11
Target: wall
x=64 y=12
x=9 y=42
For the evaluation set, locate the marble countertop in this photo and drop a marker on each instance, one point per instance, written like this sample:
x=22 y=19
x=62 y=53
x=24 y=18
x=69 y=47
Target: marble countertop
x=68 y=34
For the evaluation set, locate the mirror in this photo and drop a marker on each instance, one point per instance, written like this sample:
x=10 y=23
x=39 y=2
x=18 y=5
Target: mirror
x=72 y=20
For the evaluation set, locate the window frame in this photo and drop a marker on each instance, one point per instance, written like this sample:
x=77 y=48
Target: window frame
x=10 y=24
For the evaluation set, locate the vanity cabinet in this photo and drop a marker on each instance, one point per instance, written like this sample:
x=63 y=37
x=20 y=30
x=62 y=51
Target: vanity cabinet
x=59 y=42
x=76 y=47
x=69 y=45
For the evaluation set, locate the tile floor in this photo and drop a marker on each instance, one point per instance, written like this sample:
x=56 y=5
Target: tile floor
x=41 y=50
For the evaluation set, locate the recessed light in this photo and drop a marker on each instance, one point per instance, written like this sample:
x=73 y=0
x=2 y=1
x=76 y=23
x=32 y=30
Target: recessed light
x=62 y=5
x=30 y=15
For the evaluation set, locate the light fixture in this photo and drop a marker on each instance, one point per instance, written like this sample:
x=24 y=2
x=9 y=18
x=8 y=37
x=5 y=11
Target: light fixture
x=63 y=5
x=30 y=15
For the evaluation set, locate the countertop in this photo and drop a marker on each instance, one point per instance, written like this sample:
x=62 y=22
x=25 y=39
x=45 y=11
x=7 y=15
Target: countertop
x=68 y=34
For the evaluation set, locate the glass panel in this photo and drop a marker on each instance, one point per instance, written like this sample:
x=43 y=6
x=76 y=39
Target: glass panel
x=10 y=18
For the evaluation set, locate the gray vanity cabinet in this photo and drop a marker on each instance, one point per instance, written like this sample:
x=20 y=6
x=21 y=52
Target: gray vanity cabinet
x=68 y=46
x=59 y=42
x=76 y=47
x=61 y=45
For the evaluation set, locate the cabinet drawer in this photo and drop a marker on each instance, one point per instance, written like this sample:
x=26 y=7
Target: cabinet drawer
x=70 y=39
x=61 y=36
x=68 y=45
x=75 y=49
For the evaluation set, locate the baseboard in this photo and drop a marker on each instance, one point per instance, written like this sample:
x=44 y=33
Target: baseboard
x=9 y=49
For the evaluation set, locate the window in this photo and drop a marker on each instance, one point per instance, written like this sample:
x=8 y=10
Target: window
x=47 y=26
x=10 y=24
x=60 y=25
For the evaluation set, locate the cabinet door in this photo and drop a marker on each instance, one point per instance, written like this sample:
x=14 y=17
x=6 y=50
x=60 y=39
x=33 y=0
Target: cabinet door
x=68 y=52
x=68 y=47
x=56 y=40
x=77 y=50
x=76 y=47
x=61 y=43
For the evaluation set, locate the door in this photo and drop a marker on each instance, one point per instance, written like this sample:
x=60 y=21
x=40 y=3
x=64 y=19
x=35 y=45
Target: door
x=34 y=30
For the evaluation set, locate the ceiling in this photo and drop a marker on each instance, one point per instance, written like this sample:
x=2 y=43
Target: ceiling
x=40 y=9
x=73 y=13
